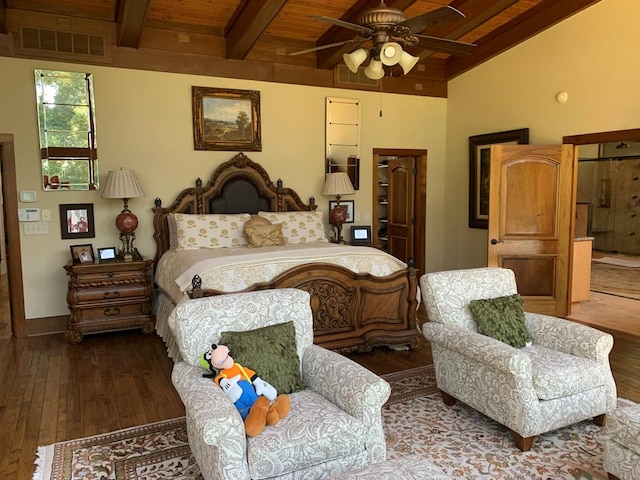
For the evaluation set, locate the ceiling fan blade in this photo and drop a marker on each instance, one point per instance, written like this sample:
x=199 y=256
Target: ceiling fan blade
x=433 y=18
x=444 y=45
x=329 y=45
x=362 y=31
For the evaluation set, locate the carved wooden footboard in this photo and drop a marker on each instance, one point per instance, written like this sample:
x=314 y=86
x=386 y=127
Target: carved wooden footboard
x=351 y=312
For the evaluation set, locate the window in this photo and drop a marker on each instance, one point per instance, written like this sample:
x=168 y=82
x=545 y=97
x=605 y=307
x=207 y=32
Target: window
x=66 y=123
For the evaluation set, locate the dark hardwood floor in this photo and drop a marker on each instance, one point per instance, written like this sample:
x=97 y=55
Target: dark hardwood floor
x=51 y=391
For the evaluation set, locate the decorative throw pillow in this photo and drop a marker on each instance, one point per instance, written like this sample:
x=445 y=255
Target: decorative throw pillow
x=501 y=318
x=264 y=235
x=254 y=221
x=299 y=227
x=271 y=352
x=210 y=231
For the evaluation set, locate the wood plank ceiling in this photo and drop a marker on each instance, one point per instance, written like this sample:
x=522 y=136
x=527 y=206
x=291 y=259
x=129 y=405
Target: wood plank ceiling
x=252 y=39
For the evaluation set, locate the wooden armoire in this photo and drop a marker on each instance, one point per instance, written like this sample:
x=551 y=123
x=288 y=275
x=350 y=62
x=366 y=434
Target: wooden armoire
x=400 y=202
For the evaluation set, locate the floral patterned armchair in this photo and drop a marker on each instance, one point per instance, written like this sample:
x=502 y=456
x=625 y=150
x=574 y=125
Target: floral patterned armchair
x=335 y=423
x=563 y=378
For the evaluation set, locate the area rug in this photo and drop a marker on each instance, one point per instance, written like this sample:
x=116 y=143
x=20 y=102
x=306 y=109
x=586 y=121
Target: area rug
x=620 y=261
x=464 y=443
x=615 y=280
x=412 y=383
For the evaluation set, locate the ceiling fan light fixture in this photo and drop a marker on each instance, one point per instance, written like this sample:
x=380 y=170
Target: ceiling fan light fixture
x=391 y=53
x=374 y=70
x=354 y=59
x=407 y=62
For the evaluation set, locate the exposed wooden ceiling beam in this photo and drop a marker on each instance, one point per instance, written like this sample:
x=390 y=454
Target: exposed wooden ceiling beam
x=329 y=58
x=249 y=21
x=3 y=16
x=476 y=13
x=539 y=18
x=131 y=15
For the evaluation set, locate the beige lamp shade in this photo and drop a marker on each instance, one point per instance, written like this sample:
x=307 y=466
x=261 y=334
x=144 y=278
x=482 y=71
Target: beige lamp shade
x=122 y=184
x=337 y=184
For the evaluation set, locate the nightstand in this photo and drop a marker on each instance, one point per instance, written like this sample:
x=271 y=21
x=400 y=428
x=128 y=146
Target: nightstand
x=109 y=296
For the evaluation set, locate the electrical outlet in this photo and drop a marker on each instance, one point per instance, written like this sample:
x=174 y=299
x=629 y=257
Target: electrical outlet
x=36 y=228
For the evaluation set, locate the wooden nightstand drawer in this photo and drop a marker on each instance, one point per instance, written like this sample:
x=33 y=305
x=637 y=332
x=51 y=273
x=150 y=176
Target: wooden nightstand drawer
x=111 y=293
x=95 y=312
x=88 y=280
x=105 y=297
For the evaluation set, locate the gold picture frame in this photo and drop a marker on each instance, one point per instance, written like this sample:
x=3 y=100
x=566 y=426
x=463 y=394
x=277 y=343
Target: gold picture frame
x=226 y=119
x=479 y=171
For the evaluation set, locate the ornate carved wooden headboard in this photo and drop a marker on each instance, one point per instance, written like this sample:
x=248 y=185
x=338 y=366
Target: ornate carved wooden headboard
x=239 y=185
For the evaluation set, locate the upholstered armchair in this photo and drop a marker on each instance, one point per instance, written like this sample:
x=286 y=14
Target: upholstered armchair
x=335 y=423
x=564 y=377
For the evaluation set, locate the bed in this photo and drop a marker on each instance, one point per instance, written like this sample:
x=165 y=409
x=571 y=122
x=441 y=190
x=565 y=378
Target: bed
x=361 y=297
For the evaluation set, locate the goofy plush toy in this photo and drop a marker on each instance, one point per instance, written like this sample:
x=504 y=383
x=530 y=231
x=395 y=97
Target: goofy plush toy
x=251 y=395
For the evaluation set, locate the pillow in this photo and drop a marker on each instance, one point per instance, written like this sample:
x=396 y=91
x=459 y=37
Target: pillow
x=270 y=351
x=210 y=231
x=264 y=235
x=299 y=227
x=254 y=221
x=173 y=231
x=501 y=318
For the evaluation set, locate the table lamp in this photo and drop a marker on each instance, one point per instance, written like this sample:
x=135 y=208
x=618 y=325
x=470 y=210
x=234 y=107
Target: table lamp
x=124 y=184
x=338 y=184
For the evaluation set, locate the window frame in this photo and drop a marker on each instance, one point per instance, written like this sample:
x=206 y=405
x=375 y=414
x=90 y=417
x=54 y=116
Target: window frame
x=48 y=153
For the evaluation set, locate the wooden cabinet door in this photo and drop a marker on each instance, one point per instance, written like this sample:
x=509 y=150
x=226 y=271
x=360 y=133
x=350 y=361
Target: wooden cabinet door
x=402 y=182
x=530 y=221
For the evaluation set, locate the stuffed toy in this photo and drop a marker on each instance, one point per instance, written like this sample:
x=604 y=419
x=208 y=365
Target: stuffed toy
x=257 y=401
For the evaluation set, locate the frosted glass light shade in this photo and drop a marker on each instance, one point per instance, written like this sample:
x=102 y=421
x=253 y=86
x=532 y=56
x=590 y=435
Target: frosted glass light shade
x=354 y=59
x=407 y=62
x=391 y=53
x=374 y=70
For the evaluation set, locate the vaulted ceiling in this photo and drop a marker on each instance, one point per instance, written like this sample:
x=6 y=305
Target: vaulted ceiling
x=253 y=39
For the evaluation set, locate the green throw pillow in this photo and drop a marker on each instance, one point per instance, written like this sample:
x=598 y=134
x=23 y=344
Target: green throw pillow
x=501 y=318
x=271 y=352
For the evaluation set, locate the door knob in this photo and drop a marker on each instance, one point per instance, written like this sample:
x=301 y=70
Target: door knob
x=495 y=242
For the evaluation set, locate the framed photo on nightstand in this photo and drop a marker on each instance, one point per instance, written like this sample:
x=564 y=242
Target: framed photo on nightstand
x=82 y=253
x=107 y=254
x=361 y=235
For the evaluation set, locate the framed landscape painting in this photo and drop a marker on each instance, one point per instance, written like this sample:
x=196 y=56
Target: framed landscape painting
x=479 y=171
x=225 y=119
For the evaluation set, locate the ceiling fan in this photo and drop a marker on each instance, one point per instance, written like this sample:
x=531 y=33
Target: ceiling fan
x=388 y=28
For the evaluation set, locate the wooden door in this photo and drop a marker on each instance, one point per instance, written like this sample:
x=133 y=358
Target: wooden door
x=531 y=206
x=400 y=202
x=401 y=209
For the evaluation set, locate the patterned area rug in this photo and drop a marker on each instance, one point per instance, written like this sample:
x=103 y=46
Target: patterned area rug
x=412 y=383
x=464 y=443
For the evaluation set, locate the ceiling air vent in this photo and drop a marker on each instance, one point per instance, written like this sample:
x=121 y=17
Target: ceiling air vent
x=346 y=76
x=62 y=42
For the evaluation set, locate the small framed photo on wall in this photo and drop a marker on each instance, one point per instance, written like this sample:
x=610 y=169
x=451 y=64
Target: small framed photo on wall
x=76 y=220
x=348 y=205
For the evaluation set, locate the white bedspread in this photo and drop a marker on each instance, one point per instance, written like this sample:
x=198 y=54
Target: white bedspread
x=233 y=269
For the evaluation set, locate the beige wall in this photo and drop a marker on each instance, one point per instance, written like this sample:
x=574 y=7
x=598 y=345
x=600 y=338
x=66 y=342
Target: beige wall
x=144 y=123
x=593 y=56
